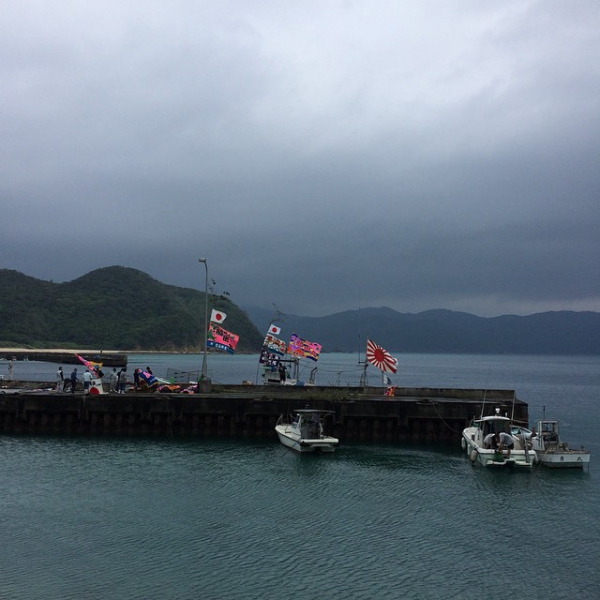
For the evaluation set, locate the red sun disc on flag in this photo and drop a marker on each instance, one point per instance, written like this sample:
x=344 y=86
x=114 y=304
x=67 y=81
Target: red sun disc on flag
x=381 y=358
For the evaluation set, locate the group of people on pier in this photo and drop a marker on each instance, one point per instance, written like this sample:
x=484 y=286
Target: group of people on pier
x=117 y=380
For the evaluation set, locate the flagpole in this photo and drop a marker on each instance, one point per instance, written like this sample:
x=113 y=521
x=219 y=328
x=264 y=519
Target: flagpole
x=204 y=363
x=276 y=317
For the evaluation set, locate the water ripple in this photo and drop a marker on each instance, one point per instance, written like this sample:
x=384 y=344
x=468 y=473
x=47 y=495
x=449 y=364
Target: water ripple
x=145 y=519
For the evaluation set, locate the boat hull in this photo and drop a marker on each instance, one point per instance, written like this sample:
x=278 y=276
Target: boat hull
x=490 y=458
x=294 y=442
x=568 y=459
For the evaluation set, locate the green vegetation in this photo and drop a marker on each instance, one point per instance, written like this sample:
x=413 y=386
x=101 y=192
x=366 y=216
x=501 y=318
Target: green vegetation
x=114 y=308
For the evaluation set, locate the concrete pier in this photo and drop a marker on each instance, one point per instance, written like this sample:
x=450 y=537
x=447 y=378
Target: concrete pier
x=418 y=415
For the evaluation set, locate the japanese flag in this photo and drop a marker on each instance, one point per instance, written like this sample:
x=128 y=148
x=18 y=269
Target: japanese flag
x=217 y=316
x=274 y=330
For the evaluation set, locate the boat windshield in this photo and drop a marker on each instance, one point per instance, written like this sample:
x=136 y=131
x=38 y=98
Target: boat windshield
x=310 y=426
x=495 y=426
x=549 y=427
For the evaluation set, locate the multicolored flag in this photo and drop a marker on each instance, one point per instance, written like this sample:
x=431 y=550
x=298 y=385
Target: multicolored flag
x=303 y=348
x=274 y=344
x=94 y=367
x=381 y=358
x=269 y=358
x=221 y=339
x=217 y=316
x=148 y=379
x=274 y=330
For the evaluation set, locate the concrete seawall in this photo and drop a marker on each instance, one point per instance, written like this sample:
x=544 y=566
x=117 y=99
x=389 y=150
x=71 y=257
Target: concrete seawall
x=68 y=357
x=418 y=415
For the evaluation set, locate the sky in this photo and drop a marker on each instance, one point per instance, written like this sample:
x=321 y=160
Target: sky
x=322 y=156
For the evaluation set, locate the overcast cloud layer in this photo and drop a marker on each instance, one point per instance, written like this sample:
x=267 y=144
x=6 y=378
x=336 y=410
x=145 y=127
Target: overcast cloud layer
x=322 y=155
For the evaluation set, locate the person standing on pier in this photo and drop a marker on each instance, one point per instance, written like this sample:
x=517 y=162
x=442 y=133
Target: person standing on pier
x=122 y=381
x=10 y=369
x=282 y=373
x=87 y=380
x=114 y=378
x=60 y=380
x=73 y=380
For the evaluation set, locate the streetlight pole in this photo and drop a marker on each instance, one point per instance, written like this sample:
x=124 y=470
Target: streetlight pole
x=204 y=366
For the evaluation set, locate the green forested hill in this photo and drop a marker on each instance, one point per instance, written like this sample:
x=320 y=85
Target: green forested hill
x=115 y=308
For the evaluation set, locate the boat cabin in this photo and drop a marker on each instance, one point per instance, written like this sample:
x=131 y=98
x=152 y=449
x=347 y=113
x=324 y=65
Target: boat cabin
x=548 y=430
x=307 y=424
x=484 y=428
x=285 y=371
x=494 y=424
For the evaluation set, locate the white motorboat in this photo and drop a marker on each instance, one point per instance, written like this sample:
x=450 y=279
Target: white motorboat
x=478 y=441
x=303 y=432
x=550 y=450
x=273 y=375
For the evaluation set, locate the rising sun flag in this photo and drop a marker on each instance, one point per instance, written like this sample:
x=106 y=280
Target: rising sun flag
x=381 y=358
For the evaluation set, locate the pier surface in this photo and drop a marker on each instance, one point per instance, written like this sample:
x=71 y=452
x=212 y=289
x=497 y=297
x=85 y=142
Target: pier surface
x=419 y=415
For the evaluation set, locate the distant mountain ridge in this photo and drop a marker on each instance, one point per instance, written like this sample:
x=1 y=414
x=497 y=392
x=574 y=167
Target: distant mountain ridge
x=125 y=309
x=444 y=331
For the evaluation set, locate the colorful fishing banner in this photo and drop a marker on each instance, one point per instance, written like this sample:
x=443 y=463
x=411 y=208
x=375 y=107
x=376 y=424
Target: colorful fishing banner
x=303 y=348
x=273 y=344
x=221 y=339
x=381 y=358
x=269 y=358
x=148 y=379
x=94 y=367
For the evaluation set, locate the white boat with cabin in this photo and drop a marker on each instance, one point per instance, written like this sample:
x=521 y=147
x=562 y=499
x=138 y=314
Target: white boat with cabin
x=478 y=441
x=303 y=432
x=272 y=374
x=550 y=450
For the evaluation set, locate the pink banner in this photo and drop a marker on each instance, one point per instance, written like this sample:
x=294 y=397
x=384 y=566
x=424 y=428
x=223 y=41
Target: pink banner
x=221 y=339
x=303 y=348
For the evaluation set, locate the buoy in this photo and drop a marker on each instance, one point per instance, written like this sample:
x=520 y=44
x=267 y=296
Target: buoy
x=474 y=455
x=463 y=443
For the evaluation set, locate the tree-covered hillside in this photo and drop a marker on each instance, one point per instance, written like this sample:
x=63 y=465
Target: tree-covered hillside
x=114 y=308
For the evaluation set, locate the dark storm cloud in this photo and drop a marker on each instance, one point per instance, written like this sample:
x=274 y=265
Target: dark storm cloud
x=321 y=155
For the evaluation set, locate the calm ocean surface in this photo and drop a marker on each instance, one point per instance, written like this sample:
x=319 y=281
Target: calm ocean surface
x=170 y=519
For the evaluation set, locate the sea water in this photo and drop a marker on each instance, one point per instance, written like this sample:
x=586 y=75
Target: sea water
x=157 y=519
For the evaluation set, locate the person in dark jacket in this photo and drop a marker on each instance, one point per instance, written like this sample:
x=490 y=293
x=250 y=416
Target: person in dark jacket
x=122 y=381
x=73 y=380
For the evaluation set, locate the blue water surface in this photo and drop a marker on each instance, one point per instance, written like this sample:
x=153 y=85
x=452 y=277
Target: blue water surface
x=161 y=518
